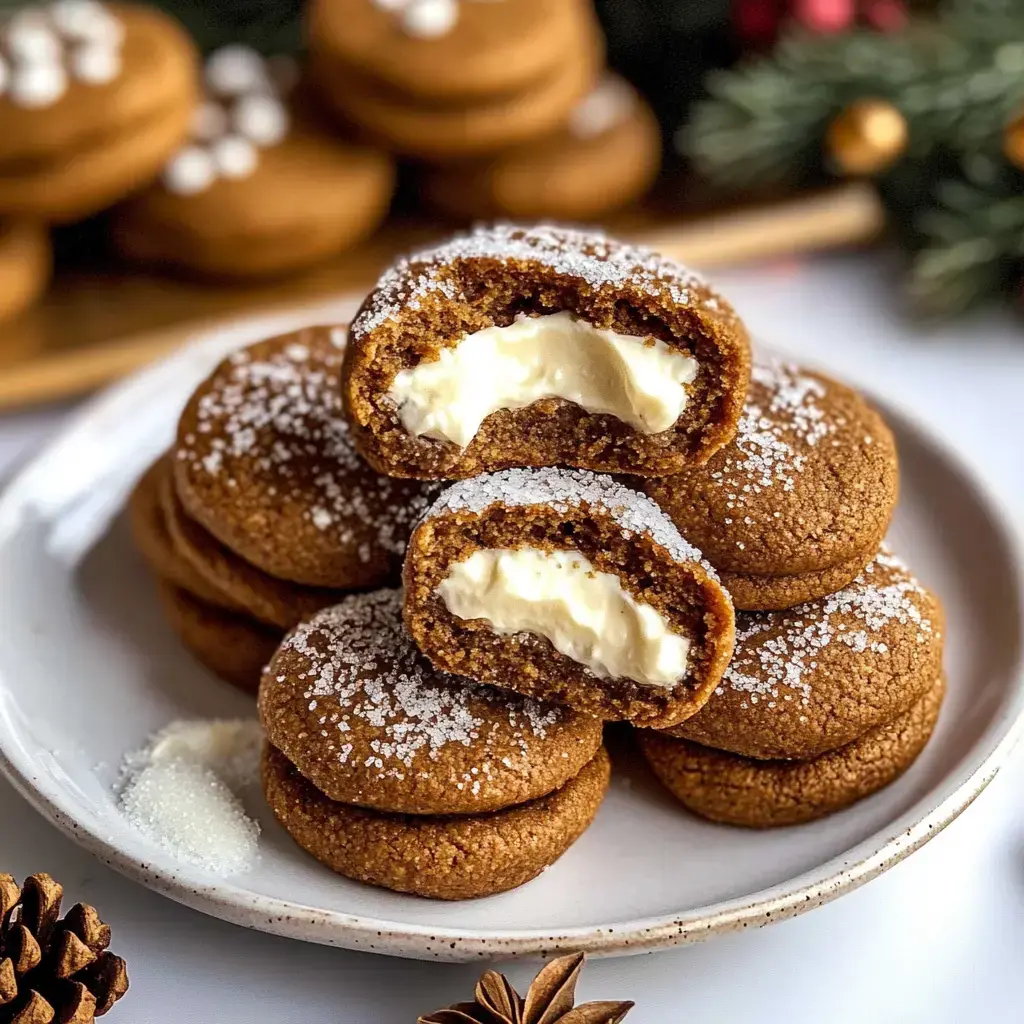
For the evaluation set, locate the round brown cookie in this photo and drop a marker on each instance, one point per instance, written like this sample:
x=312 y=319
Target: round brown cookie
x=448 y=857
x=777 y=593
x=568 y=587
x=807 y=487
x=432 y=132
x=607 y=155
x=26 y=259
x=365 y=717
x=232 y=647
x=153 y=539
x=448 y=50
x=269 y=600
x=258 y=188
x=264 y=462
x=816 y=677
x=616 y=303
x=765 y=794
x=98 y=97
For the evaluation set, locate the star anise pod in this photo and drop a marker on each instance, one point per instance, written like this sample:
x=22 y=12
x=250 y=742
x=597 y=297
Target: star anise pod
x=549 y=1000
x=53 y=969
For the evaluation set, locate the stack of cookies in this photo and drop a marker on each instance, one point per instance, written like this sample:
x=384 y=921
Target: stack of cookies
x=504 y=104
x=445 y=738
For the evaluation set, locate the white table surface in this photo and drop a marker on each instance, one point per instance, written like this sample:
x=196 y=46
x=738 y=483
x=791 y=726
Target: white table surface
x=940 y=938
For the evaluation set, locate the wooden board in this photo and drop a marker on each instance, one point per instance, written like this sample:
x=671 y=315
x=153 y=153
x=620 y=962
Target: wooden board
x=95 y=326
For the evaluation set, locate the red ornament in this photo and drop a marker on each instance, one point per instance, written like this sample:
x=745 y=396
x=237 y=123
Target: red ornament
x=758 y=22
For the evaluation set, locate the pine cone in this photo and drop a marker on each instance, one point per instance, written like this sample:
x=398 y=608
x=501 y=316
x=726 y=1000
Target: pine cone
x=549 y=1000
x=53 y=971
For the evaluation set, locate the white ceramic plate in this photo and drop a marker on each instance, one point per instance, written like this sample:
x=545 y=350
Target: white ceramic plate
x=88 y=669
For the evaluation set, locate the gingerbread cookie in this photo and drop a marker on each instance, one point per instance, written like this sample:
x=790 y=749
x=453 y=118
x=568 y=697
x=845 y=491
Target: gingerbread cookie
x=449 y=857
x=263 y=461
x=453 y=132
x=448 y=50
x=362 y=714
x=568 y=587
x=153 y=539
x=272 y=601
x=231 y=646
x=26 y=259
x=259 y=188
x=605 y=156
x=818 y=676
x=797 y=505
x=515 y=346
x=764 y=794
x=94 y=99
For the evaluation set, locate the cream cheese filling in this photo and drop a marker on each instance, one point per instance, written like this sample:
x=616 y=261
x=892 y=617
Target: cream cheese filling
x=587 y=615
x=641 y=381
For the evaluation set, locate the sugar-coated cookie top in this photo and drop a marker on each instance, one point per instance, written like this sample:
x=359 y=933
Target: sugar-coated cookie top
x=780 y=649
x=588 y=257
x=268 y=427
x=354 y=704
x=565 y=489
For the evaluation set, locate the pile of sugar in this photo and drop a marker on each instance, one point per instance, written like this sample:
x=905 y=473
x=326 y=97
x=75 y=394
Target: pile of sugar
x=760 y=668
x=361 y=664
x=181 y=792
x=285 y=406
x=590 y=257
x=565 y=489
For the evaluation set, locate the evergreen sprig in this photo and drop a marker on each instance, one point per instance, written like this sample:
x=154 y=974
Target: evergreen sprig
x=958 y=79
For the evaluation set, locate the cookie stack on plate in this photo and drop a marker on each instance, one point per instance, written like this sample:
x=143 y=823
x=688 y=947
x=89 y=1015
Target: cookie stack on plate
x=262 y=513
x=444 y=739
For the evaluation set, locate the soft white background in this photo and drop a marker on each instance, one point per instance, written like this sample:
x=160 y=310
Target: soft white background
x=940 y=938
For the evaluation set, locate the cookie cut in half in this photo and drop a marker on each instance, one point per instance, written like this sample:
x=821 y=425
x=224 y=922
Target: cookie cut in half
x=368 y=720
x=763 y=794
x=797 y=505
x=541 y=346
x=263 y=461
x=568 y=587
x=816 y=677
x=448 y=857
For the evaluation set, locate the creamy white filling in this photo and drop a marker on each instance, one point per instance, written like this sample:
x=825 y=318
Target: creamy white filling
x=586 y=614
x=641 y=381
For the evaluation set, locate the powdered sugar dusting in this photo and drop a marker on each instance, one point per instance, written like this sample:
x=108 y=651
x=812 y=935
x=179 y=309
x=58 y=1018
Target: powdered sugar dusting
x=276 y=407
x=565 y=489
x=883 y=593
x=591 y=258
x=362 y=665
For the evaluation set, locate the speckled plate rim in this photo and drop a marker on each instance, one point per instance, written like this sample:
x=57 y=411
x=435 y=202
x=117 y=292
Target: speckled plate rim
x=804 y=892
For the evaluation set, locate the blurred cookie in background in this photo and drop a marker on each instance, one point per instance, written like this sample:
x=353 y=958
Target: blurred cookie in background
x=606 y=156
x=94 y=98
x=25 y=263
x=446 y=80
x=261 y=188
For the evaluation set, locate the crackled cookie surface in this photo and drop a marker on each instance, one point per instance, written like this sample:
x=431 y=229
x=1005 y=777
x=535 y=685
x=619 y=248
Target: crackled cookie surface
x=532 y=346
x=798 y=503
x=264 y=462
x=569 y=587
x=365 y=717
x=450 y=857
x=764 y=794
x=816 y=677
x=94 y=99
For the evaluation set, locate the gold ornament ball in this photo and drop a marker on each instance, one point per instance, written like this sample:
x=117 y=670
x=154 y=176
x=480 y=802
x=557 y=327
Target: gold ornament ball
x=1013 y=142
x=866 y=138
